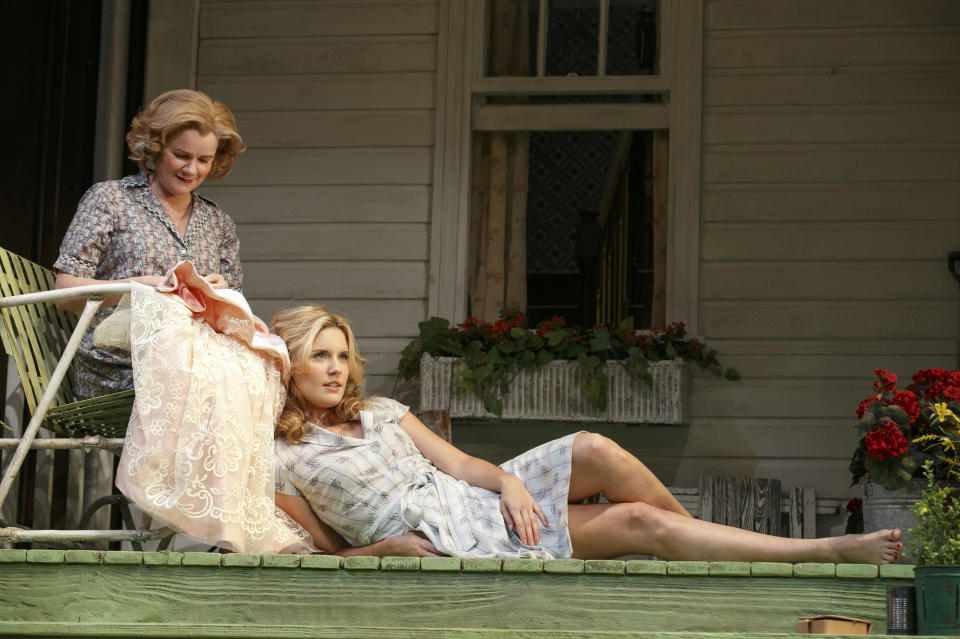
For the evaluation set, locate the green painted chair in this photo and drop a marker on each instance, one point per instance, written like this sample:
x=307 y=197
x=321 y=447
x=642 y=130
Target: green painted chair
x=35 y=335
x=42 y=341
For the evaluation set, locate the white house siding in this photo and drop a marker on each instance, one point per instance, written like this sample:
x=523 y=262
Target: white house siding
x=831 y=184
x=335 y=101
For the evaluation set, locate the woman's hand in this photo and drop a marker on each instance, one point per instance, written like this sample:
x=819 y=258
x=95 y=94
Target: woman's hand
x=520 y=510
x=411 y=544
x=149 y=280
x=216 y=280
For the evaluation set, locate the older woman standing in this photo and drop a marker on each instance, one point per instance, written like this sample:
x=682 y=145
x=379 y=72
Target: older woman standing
x=138 y=228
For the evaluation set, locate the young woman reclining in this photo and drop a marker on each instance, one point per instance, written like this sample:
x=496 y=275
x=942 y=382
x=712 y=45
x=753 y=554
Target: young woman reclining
x=367 y=473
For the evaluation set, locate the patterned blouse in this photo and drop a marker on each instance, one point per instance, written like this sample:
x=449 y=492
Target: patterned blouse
x=121 y=230
x=379 y=486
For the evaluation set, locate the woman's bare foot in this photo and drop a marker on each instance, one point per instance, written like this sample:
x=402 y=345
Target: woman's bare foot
x=881 y=547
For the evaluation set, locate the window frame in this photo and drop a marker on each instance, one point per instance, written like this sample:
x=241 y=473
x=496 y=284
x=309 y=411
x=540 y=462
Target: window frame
x=460 y=114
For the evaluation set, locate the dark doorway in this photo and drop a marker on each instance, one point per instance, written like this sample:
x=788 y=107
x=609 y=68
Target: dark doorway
x=51 y=66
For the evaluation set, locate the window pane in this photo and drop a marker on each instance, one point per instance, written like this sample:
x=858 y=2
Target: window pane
x=632 y=37
x=572 y=36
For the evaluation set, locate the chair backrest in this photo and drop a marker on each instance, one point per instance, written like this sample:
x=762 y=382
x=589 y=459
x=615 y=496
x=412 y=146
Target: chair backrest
x=33 y=334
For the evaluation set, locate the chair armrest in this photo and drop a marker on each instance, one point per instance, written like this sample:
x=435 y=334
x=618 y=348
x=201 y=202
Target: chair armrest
x=90 y=290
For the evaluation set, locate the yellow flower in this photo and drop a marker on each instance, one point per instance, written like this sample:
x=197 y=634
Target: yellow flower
x=943 y=412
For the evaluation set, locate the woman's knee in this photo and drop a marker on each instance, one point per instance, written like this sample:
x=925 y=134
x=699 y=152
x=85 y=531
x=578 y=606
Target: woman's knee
x=642 y=517
x=593 y=448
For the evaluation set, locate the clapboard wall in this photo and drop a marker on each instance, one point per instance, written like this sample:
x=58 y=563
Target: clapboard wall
x=335 y=101
x=830 y=199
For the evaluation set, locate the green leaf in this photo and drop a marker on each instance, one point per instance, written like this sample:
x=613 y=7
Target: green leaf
x=595 y=389
x=671 y=352
x=575 y=350
x=544 y=357
x=600 y=340
x=732 y=374
x=482 y=373
x=518 y=333
x=507 y=348
x=893 y=472
x=626 y=324
x=493 y=405
x=557 y=336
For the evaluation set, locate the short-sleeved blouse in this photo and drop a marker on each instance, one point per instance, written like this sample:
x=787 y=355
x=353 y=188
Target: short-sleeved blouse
x=379 y=486
x=121 y=230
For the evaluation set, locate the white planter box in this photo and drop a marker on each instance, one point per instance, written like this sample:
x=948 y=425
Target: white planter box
x=552 y=392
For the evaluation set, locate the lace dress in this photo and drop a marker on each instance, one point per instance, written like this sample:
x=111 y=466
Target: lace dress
x=209 y=385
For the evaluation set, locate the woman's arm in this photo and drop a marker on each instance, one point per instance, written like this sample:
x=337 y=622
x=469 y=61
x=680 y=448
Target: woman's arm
x=66 y=280
x=325 y=538
x=519 y=509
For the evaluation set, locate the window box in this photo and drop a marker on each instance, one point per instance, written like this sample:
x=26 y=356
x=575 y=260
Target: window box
x=552 y=393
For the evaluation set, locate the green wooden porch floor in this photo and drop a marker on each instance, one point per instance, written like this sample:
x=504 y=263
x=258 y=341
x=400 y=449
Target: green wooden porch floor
x=51 y=593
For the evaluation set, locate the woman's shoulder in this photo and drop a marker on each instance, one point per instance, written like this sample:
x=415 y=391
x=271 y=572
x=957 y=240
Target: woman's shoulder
x=384 y=409
x=109 y=188
x=213 y=210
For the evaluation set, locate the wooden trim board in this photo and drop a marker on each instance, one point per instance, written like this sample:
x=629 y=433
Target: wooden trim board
x=122 y=593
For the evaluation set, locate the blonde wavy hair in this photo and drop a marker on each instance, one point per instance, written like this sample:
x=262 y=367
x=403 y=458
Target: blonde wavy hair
x=299 y=327
x=174 y=111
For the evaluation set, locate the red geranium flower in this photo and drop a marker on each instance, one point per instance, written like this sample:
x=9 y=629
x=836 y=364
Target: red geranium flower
x=864 y=405
x=886 y=442
x=908 y=402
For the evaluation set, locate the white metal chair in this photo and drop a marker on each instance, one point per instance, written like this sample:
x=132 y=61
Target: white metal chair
x=43 y=340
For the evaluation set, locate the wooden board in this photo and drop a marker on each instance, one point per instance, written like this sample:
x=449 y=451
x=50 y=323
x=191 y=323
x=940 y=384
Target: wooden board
x=831 y=163
x=298 y=19
x=333 y=241
x=922 y=347
x=338 y=279
x=897 y=320
x=257 y=92
x=272 y=167
x=203 y=601
x=325 y=129
x=839 y=366
x=369 y=318
x=329 y=203
x=825 y=280
x=831 y=125
x=771 y=14
x=832 y=48
x=820 y=202
x=358 y=54
x=838 y=242
x=902 y=84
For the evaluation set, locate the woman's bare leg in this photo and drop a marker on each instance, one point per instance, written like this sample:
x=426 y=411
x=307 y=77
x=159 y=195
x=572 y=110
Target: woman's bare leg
x=600 y=465
x=612 y=530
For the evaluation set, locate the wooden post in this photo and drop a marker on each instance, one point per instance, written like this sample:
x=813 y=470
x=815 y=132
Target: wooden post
x=751 y=504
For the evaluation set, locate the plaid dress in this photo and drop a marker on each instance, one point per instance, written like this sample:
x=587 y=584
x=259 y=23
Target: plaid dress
x=380 y=486
x=121 y=230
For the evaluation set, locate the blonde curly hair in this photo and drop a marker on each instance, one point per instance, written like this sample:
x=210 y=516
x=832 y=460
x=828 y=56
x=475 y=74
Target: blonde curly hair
x=174 y=111
x=299 y=327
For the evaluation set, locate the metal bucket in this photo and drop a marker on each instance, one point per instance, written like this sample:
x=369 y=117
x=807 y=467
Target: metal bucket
x=884 y=508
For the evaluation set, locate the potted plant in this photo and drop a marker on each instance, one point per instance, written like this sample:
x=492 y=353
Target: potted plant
x=935 y=546
x=489 y=356
x=893 y=425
